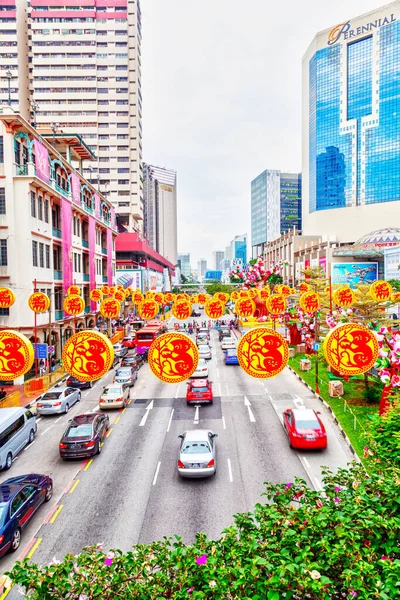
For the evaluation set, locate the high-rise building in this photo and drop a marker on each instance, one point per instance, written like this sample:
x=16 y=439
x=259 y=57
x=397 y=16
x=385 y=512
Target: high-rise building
x=84 y=77
x=202 y=268
x=160 y=210
x=184 y=264
x=351 y=126
x=218 y=255
x=239 y=249
x=275 y=206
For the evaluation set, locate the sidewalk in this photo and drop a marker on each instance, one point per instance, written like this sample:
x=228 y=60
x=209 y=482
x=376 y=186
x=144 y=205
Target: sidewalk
x=25 y=395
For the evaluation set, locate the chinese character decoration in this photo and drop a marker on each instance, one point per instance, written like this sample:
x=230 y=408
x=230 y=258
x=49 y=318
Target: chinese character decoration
x=119 y=295
x=169 y=297
x=194 y=299
x=16 y=355
x=263 y=353
x=265 y=292
x=74 y=305
x=252 y=293
x=309 y=302
x=286 y=290
x=111 y=290
x=7 y=297
x=234 y=295
x=150 y=295
x=39 y=302
x=344 y=296
x=120 y=287
x=222 y=296
x=244 y=294
x=182 y=309
x=245 y=307
x=276 y=304
x=88 y=355
x=74 y=290
x=202 y=298
x=214 y=308
x=351 y=349
x=304 y=287
x=148 y=309
x=159 y=298
x=173 y=357
x=396 y=297
x=381 y=291
x=137 y=297
x=110 y=308
x=105 y=290
x=96 y=295
x=183 y=297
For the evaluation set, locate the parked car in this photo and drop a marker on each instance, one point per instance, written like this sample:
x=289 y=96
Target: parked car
x=197 y=453
x=73 y=382
x=201 y=370
x=133 y=360
x=20 y=498
x=204 y=351
x=84 y=435
x=129 y=341
x=17 y=429
x=127 y=375
x=199 y=391
x=196 y=313
x=115 y=395
x=228 y=343
x=57 y=400
x=304 y=428
x=231 y=357
x=119 y=350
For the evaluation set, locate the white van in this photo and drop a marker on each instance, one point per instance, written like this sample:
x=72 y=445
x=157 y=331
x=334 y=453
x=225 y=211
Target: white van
x=17 y=429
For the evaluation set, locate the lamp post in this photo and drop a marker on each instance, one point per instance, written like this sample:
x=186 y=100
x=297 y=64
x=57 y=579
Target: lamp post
x=34 y=107
x=9 y=76
x=54 y=127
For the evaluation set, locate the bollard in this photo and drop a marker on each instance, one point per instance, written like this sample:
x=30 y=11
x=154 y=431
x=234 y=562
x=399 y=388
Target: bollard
x=355 y=423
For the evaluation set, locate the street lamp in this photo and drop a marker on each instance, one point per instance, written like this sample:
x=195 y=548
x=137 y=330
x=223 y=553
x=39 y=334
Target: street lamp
x=54 y=127
x=34 y=107
x=9 y=76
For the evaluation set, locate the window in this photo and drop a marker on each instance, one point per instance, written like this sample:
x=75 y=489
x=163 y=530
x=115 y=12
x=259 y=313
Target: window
x=1 y=148
x=33 y=203
x=46 y=210
x=11 y=430
x=79 y=263
x=2 y=201
x=41 y=254
x=124 y=170
x=75 y=265
x=34 y=253
x=123 y=181
x=4 y=312
x=47 y=257
x=3 y=253
x=40 y=208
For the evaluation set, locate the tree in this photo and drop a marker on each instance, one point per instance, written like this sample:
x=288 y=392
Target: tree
x=395 y=283
x=217 y=286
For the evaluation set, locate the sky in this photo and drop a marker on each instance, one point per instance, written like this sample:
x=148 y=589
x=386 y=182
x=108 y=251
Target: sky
x=221 y=83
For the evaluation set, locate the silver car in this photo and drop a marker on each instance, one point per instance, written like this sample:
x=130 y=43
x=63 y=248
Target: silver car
x=201 y=370
x=204 y=351
x=57 y=400
x=115 y=395
x=126 y=375
x=197 y=454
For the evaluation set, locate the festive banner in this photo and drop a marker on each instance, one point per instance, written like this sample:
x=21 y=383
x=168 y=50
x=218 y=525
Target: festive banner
x=75 y=188
x=7 y=297
x=109 y=257
x=16 y=354
x=92 y=260
x=97 y=210
x=88 y=355
x=263 y=353
x=42 y=162
x=66 y=244
x=173 y=357
x=39 y=302
x=351 y=349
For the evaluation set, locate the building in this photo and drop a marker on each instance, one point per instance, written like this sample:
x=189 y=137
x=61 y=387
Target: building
x=218 y=256
x=184 y=264
x=202 y=268
x=238 y=250
x=275 y=206
x=160 y=210
x=55 y=229
x=84 y=77
x=351 y=126
x=214 y=275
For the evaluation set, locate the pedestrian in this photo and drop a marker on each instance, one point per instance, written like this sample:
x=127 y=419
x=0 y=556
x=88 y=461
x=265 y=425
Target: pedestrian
x=42 y=368
x=3 y=393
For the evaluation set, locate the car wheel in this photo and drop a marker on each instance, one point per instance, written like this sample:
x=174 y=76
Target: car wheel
x=31 y=436
x=98 y=450
x=15 y=540
x=66 y=408
x=49 y=493
x=90 y=384
x=8 y=462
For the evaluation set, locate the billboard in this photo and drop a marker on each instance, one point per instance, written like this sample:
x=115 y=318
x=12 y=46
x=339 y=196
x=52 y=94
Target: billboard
x=130 y=278
x=392 y=263
x=354 y=273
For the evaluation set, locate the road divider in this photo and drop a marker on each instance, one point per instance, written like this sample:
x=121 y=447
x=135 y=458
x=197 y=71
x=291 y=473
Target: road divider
x=57 y=512
x=74 y=486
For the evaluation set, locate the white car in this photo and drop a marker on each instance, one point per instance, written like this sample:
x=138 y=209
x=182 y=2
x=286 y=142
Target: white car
x=115 y=395
x=204 y=351
x=228 y=343
x=202 y=369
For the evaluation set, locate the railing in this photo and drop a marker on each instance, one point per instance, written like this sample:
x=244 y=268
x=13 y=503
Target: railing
x=58 y=275
x=87 y=310
x=89 y=210
x=21 y=170
x=104 y=250
x=86 y=277
x=59 y=315
x=56 y=232
x=117 y=337
x=106 y=221
x=85 y=243
x=60 y=189
x=105 y=278
x=41 y=384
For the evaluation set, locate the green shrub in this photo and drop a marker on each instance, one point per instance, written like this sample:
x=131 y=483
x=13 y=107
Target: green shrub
x=384 y=435
x=372 y=394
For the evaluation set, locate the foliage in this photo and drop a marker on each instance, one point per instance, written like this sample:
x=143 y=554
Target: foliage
x=214 y=288
x=340 y=544
x=255 y=273
x=372 y=394
x=384 y=434
x=184 y=279
x=395 y=283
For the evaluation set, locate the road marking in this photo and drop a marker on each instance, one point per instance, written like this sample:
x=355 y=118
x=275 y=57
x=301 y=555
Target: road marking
x=155 y=476
x=146 y=414
x=196 y=415
x=223 y=422
x=26 y=549
x=251 y=416
x=29 y=445
x=217 y=373
x=86 y=393
x=74 y=486
x=91 y=460
x=39 y=419
x=298 y=402
x=43 y=432
x=68 y=487
x=116 y=420
x=266 y=389
x=56 y=421
x=108 y=433
x=170 y=419
x=306 y=461
x=35 y=547
x=5 y=594
x=177 y=390
x=95 y=409
x=227 y=389
x=317 y=481
x=230 y=470
x=122 y=411
x=220 y=389
x=54 y=517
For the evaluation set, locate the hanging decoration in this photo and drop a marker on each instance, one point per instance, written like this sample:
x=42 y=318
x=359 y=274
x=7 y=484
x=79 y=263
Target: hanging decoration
x=285 y=290
x=159 y=298
x=7 y=297
x=74 y=305
x=110 y=308
x=137 y=297
x=222 y=296
x=235 y=295
x=111 y=290
x=276 y=304
x=263 y=353
x=39 y=302
x=351 y=349
x=245 y=307
x=344 y=296
x=88 y=355
x=119 y=295
x=244 y=294
x=105 y=290
x=304 y=287
x=381 y=290
x=173 y=357
x=214 y=308
x=265 y=292
x=202 y=298
x=309 y=302
x=194 y=299
x=74 y=290
x=169 y=297
x=148 y=309
x=182 y=309
x=16 y=354
x=96 y=295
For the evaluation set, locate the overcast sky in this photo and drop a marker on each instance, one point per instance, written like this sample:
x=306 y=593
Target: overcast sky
x=222 y=101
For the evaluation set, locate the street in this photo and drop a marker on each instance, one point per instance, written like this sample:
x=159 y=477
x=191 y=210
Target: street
x=132 y=493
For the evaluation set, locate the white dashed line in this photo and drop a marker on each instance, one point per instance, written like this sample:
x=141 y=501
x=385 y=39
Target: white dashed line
x=29 y=445
x=155 y=476
x=317 y=481
x=223 y=422
x=170 y=419
x=196 y=415
x=43 y=432
x=177 y=390
x=230 y=470
x=39 y=419
x=86 y=393
x=306 y=462
x=56 y=421
x=95 y=409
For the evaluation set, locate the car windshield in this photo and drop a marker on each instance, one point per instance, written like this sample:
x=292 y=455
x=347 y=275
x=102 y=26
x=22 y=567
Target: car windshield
x=51 y=395
x=196 y=448
x=307 y=424
x=124 y=372
x=204 y=349
x=79 y=431
x=231 y=353
x=199 y=389
x=111 y=391
x=202 y=364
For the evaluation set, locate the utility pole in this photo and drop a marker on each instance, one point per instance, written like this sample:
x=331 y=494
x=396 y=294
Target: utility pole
x=34 y=107
x=9 y=76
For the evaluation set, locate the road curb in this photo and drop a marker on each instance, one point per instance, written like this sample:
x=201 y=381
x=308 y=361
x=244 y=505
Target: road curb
x=342 y=431
x=31 y=404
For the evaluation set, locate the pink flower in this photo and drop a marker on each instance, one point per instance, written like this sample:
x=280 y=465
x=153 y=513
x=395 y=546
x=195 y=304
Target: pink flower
x=395 y=381
x=353 y=593
x=337 y=489
x=383 y=557
x=108 y=562
x=202 y=560
x=190 y=590
x=337 y=500
x=288 y=486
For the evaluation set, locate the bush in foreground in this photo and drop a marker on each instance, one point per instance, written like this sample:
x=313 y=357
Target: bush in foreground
x=302 y=544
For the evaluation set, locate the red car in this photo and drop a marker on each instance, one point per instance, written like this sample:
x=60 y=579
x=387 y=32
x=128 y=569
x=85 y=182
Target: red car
x=129 y=342
x=304 y=428
x=199 y=391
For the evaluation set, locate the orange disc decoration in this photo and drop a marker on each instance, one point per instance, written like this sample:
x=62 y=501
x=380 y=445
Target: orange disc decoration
x=105 y=290
x=396 y=297
x=148 y=309
x=88 y=355
x=222 y=296
x=127 y=292
x=304 y=287
x=309 y=302
x=344 y=296
x=351 y=349
x=276 y=304
x=137 y=297
x=96 y=295
x=381 y=291
x=235 y=295
x=74 y=290
x=7 y=297
x=202 y=298
x=119 y=295
x=159 y=297
x=168 y=297
x=263 y=353
x=194 y=299
x=245 y=307
x=39 y=302
x=112 y=289
x=286 y=290
x=110 y=308
x=265 y=293
x=16 y=354
x=74 y=305
x=214 y=308
x=120 y=287
x=173 y=357
x=244 y=294
x=182 y=309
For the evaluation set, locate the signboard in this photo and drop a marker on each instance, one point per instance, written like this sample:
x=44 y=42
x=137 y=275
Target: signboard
x=130 y=278
x=392 y=262
x=50 y=349
x=353 y=274
x=316 y=346
x=40 y=350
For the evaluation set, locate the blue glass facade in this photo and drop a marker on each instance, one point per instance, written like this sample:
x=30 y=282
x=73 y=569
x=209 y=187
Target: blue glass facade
x=259 y=210
x=241 y=250
x=290 y=201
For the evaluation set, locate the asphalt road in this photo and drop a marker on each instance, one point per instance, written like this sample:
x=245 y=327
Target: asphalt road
x=131 y=493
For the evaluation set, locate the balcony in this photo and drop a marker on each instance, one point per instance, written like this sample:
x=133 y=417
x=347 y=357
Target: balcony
x=85 y=243
x=104 y=250
x=58 y=275
x=89 y=210
x=87 y=310
x=105 y=279
x=59 y=189
x=56 y=232
x=21 y=170
x=86 y=277
x=59 y=315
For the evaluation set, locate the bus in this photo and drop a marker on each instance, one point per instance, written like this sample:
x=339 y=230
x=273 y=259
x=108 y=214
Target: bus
x=146 y=336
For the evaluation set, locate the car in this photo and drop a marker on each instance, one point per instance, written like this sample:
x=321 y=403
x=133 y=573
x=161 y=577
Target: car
x=201 y=370
x=204 y=330
x=304 y=428
x=197 y=454
x=115 y=395
x=199 y=391
x=196 y=313
x=20 y=498
x=126 y=375
x=133 y=360
x=201 y=338
x=57 y=400
x=129 y=341
x=231 y=357
x=119 y=350
x=73 y=382
x=204 y=351
x=228 y=343
x=223 y=332
x=83 y=436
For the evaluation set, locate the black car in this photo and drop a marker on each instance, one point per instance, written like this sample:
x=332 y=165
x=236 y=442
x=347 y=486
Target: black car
x=83 y=436
x=224 y=332
x=76 y=383
x=134 y=360
x=196 y=314
x=20 y=497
